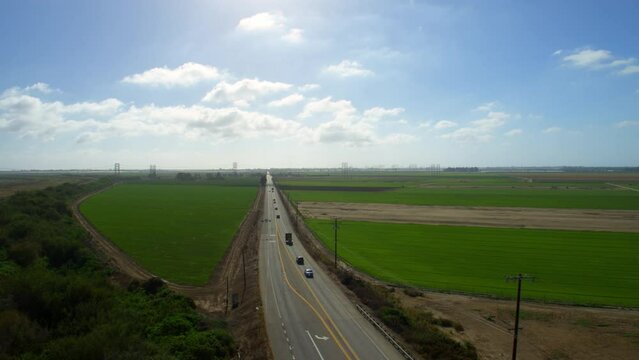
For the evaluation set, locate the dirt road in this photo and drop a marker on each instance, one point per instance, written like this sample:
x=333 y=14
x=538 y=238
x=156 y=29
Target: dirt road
x=566 y=219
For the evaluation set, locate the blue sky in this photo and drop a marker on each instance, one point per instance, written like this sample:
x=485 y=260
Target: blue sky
x=201 y=84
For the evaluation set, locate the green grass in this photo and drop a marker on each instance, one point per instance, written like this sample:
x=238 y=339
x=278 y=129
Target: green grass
x=571 y=266
x=178 y=232
x=537 y=198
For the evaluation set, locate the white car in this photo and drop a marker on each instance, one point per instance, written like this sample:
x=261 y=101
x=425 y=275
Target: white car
x=308 y=273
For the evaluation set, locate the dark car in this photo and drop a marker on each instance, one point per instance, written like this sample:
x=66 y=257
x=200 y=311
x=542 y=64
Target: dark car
x=308 y=273
x=277 y=216
x=300 y=260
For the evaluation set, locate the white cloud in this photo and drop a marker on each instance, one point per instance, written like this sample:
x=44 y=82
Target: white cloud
x=88 y=122
x=552 y=130
x=557 y=52
x=308 y=87
x=271 y=22
x=514 y=132
x=244 y=91
x=294 y=36
x=287 y=101
x=262 y=21
x=425 y=124
x=469 y=134
x=377 y=113
x=339 y=108
x=627 y=123
x=348 y=126
x=102 y=108
x=601 y=59
x=588 y=58
x=481 y=130
x=30 y=116
x=348 y=68
x=186 y=74
x=39 y=86
x=631 y=69
x=445 y=124
x=489 y=106
x=493 y=120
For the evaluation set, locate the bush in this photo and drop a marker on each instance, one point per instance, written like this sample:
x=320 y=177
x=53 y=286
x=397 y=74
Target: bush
x=56 y=301
x=24 y=253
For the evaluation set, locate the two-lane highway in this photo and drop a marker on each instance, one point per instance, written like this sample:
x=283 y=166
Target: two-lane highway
x=308 y=318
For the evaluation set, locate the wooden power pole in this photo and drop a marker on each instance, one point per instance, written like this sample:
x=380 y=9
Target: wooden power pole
x=517 y=277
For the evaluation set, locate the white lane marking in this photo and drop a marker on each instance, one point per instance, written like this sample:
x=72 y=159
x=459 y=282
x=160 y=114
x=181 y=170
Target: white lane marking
x=314 y=345
x=277 y=306
x=321 y=337
x=369 y=338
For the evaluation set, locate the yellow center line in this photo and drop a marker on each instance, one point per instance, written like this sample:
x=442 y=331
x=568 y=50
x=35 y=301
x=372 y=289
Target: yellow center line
x=318 y=301
x=304 y=299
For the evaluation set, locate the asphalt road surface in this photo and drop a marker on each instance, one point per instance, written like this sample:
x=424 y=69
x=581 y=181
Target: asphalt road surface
x=308 y=318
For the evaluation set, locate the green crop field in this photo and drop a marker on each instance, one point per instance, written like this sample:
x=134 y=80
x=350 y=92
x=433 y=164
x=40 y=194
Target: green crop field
x=571 y=266
x=544 y=190
x=538 y=198
x=178 y=232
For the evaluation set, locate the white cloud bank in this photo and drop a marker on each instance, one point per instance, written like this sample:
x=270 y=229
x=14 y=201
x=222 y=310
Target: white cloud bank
x=273 y=22
x=599 y=59
x=29 y=116
x=348 y=68
x=348 y=126
x=482 y=130
x=187 y=74
x=241 y=93
x=287 y=101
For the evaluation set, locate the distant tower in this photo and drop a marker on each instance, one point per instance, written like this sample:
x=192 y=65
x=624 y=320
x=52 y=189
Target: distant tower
x=234 y=166
x=116 y=169
x=153 y=171
x=345 y=168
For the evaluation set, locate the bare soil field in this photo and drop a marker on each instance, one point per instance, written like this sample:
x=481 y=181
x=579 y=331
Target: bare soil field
x=562 y=219
x=547 y=331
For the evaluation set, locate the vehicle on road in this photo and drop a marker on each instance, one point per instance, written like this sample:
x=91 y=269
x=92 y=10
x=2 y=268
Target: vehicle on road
x=299 y=260
x=277 y=216
x=276 y=208
x=308 y=273
x=288 y=238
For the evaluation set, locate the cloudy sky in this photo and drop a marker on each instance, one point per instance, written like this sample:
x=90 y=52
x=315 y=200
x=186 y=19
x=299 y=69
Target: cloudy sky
x=201 y=84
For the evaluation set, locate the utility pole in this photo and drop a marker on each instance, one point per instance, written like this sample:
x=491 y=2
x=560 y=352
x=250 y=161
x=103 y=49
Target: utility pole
x=517 y=277
x=335 y=227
